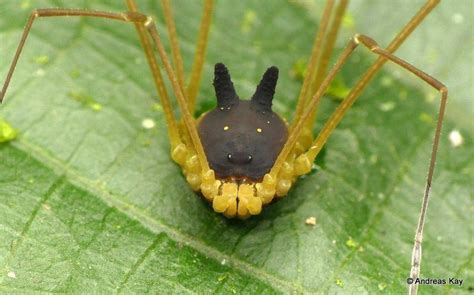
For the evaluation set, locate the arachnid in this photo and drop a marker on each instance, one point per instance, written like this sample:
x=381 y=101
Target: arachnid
x=242 y=155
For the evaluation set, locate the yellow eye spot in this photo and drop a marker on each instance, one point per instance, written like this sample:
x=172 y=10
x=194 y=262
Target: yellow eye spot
x=259 y=130
x=226 y=128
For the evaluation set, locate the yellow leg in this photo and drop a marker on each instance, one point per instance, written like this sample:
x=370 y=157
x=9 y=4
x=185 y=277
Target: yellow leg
x=339 y=113
x=187 y=117
x=201 y=46
x=293 y=136
x=178 y=149
x=313 y=62
x=175 y=51
x=353 y=95
x=326 y=55
x=173 y=133
x=317 y=67
x=304 y=160
x=191 y=157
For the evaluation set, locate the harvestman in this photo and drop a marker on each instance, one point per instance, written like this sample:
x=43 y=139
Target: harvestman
x=249 y=177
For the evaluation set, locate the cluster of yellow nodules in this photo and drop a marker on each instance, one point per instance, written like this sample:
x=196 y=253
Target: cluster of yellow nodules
x=240 y=199
x=243 y=199
x=205 y=181
x=297 y=164
x=237 y=200
x=189 y=162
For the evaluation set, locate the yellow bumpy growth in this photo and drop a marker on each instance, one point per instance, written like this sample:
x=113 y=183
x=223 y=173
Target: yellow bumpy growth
x=242 y=199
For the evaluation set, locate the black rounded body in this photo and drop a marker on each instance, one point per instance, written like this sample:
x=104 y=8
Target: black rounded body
x=242 y=139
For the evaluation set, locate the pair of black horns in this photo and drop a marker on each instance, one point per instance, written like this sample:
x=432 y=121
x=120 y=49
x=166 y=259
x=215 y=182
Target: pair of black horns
x=225 y=91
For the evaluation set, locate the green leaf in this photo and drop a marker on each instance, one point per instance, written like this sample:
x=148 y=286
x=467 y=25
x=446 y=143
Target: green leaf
x=91 y=202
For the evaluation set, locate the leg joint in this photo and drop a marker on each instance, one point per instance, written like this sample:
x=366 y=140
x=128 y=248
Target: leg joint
x=149 y=22
x=367 y=42
x=35 y=13
x=443 y=90
x=135 y=17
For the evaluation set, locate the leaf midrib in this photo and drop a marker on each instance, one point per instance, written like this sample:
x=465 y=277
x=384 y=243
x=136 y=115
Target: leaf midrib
x=153 y=224
x=156 y=225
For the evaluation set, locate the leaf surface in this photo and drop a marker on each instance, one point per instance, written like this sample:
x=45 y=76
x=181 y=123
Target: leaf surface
x=90 y=200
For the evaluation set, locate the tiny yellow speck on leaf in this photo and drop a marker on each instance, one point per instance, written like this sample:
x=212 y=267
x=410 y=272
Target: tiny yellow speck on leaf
x=86 y=100
x=351 y=243
x=42 y=60
x=12 y=274
x=7 y=133
x=311 y=221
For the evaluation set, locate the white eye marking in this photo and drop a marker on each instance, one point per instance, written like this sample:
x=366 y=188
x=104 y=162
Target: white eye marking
x=226 y=128
x=259 y=130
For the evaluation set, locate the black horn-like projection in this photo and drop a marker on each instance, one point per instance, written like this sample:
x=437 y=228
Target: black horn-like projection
x=263 y=96
x=223 y=86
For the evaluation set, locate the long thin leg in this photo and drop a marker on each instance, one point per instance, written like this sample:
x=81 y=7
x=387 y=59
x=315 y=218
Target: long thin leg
x=326 y=54
x=329 y=43
x=53 y=12
x=363 y=82
x=352 y=96
x=325 y=133
x=187 y=117
x=303 y=162
x=173 y=132
x=196 y=72
x=175 y=51
x=300 y=122
x=170 y=120
x=132 y=17
x=313 y=61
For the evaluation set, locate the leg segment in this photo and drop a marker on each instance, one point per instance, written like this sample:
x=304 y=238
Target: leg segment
x=196 y=72
x=126 y=17
x=55 y=12
x=363 y=82
x=313 y=61
x=322 y=48
x=299 y=124
x=173 y=133
x=317 y=67
x=192 y=89
x=352 y=96
x=195 y=161
x=303 y=162
x=201 y=177
x=280 y=178
x=175 y=51
x=326 y=54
